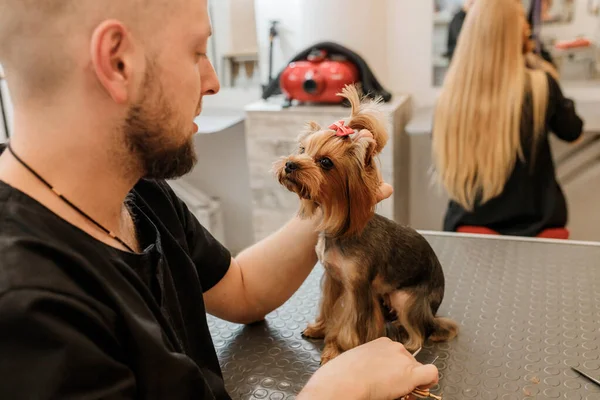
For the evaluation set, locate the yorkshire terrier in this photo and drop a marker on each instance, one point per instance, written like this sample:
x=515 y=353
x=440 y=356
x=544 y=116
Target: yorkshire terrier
x=381 y=278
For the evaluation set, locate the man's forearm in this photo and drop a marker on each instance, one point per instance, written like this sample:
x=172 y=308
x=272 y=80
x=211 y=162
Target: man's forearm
x=274 y=268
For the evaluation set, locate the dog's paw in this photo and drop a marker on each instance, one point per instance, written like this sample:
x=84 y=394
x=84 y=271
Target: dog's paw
x=329 y=353
x=314 y=331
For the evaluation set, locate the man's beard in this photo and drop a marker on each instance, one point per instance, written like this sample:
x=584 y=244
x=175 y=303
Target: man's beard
x=150 y=132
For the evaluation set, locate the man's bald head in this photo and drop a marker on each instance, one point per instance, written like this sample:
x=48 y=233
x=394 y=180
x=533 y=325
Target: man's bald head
x=41 y=40
x=123 y=77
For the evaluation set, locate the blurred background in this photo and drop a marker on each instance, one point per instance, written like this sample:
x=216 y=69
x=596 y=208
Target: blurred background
x=404 y=44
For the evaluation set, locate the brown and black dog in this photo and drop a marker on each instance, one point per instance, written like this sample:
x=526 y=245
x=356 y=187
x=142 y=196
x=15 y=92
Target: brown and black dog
x=381 y=278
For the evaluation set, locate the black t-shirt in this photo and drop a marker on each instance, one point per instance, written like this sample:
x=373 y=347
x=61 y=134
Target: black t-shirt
x=82 y=320
x=532 y=199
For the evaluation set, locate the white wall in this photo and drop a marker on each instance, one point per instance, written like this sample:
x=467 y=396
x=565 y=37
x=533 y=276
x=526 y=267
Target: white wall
x=356 y=24
x=220 y=42
x=288 y=43
x=410 y=30
x=234 y=31
x=243 y=26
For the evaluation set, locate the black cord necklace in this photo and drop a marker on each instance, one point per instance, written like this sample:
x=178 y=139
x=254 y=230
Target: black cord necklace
x=108 y=232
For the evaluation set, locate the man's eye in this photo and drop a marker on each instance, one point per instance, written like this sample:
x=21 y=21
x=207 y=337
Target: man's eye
x=301 y=150
x=326 y=163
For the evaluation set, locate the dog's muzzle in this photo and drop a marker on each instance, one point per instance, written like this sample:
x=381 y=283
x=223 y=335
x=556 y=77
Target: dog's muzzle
x=290 y=167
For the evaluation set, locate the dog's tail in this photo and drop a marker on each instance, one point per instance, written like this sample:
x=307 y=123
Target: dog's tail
x=443 y=329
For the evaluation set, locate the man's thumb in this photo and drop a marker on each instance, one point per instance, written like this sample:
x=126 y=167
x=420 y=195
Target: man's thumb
x=425 y=376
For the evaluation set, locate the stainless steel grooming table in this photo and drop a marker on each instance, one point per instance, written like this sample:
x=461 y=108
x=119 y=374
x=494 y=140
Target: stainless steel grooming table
x=528 y=311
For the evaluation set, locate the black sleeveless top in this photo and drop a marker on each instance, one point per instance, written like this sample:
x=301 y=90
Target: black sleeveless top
x=532 y=199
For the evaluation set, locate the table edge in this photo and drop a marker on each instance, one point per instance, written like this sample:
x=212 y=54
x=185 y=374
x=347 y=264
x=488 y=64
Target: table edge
x=509 y=238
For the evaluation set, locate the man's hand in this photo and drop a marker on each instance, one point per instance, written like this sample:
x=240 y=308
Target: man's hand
x=378 y=370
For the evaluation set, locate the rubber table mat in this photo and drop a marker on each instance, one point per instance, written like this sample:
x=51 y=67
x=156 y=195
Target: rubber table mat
x=528 y=311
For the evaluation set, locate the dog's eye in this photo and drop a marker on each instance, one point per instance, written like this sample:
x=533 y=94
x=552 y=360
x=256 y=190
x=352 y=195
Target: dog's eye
x=301 y=150
x=326 y=163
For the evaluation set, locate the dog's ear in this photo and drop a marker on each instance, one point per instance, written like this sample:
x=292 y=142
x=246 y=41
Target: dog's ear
x=310 y=128
x=365 y=147
x=352 y=196
x=352 y=207
x=363 y=188
x=372 y=119
x=308 y=208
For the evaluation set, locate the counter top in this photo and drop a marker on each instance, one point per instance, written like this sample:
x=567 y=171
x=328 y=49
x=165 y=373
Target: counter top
x=218 y=119
x=421 y=122
x=528 y=310
x=275 y=103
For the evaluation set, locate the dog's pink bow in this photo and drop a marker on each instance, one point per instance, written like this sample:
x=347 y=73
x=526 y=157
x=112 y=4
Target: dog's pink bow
x=340 y=129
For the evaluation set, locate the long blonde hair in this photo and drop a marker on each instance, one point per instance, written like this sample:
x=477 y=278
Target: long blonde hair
x=476 y=133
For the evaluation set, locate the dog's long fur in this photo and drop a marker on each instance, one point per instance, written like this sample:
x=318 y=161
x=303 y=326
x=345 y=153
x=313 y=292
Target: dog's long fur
x=381 y=278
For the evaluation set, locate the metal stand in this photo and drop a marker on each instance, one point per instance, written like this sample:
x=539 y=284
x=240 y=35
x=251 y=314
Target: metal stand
x=3 y=110
x=273 y=33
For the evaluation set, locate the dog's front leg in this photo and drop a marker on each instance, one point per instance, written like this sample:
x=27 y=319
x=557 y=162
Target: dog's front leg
x=357 y=317
x=331 y=291
x=362 y=317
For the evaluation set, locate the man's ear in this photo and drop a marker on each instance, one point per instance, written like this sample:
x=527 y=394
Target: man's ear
x=112 y=59
x=308 y=130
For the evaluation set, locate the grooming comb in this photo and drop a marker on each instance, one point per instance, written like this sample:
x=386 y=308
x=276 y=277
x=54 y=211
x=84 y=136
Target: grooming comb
x=422 y=393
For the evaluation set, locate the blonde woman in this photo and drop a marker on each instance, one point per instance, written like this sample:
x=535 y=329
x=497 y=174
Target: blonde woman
x=491 y=125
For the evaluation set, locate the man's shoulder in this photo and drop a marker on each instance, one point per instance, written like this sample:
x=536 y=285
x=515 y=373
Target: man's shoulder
x=29 y=263
x=45 y=274
x=28 y=238
x=38 y=250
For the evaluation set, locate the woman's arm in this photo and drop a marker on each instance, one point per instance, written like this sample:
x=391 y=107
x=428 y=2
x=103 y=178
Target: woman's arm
x=562 y=117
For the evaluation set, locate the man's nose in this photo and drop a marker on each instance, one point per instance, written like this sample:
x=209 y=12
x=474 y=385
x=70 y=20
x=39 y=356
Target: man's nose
x=290 y=167
x=209 y=79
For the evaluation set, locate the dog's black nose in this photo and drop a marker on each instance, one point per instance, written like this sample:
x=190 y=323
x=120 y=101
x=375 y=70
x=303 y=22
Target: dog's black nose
x=290 y=167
